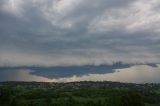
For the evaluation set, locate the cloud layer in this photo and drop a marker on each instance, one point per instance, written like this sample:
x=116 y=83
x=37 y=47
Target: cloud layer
x=79 y=32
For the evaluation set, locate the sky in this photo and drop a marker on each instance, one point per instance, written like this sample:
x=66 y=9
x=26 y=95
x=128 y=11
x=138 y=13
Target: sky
x=79 y=32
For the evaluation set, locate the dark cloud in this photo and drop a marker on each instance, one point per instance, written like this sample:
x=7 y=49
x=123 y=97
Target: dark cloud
x=64 y=71
x=69 y=32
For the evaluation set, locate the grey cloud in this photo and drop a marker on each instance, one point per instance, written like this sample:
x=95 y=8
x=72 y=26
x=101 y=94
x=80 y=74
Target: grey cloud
x=69 y=32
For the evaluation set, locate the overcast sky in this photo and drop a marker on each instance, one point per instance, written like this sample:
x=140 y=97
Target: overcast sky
x=79 y=32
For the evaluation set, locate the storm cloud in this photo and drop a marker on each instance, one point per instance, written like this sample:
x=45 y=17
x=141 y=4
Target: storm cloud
x=79 y=32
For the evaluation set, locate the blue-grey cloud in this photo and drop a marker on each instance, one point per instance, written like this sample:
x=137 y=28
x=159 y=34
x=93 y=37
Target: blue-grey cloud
x=64 y=71
x=78 y=32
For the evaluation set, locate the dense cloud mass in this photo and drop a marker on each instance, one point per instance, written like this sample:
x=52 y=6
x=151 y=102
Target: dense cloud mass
x=79 y=32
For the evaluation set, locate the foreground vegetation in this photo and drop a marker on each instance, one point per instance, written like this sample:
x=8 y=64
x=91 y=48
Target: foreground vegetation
x=79 y=94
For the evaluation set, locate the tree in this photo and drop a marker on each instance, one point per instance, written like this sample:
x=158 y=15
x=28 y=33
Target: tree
x=132 y=99
x=13 y=101
x=5 y=94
